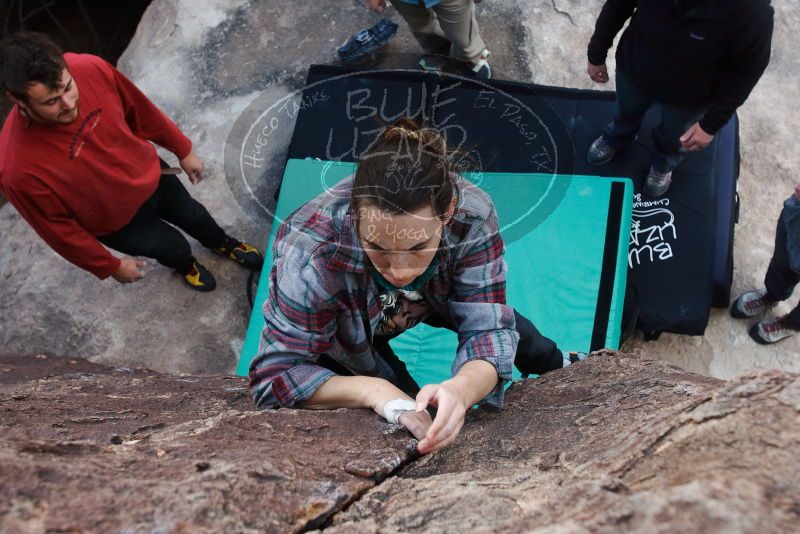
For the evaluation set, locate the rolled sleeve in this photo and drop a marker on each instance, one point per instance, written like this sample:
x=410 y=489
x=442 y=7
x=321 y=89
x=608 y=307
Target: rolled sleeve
x=497 y=347
x=300 y=323
x=486 y=326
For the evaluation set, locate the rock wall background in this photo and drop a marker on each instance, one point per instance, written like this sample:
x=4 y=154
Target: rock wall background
x=617 y=443
x=205 y=61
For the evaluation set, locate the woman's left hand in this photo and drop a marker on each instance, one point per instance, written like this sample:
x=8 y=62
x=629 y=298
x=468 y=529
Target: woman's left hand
x=451 y=409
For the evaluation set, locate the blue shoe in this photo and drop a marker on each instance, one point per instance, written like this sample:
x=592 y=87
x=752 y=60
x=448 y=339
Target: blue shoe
x=367 y=41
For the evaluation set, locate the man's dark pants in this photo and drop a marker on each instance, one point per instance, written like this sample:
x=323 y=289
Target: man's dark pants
x=151 y=232
x=536 y=354
x=780 y=279
x=629 y=111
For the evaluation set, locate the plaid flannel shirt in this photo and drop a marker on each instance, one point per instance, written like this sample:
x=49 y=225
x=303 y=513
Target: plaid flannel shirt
x=323 y=299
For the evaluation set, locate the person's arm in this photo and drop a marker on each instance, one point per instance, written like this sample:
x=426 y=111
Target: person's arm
x=145 y=119
x=367 y=392
x=48 y=216
x=474 y=381
x=354 y=392
x=300 y=325
x=485 y=323
x=748 y=58
x=610 y=21
x=487 y=337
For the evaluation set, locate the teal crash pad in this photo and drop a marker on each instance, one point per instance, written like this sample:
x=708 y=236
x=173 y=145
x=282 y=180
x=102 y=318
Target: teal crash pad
x=566 y=272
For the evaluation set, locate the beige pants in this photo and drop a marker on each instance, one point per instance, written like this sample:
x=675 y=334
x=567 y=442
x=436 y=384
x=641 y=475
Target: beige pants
x=456 y=25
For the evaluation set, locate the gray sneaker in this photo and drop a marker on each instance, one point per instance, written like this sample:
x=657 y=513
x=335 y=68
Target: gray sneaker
x=600 y=152
x=772 y=330
x=751 y=304
x=657 y=182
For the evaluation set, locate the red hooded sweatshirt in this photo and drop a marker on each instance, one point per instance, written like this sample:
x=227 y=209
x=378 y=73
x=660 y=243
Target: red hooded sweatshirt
x=77 y=181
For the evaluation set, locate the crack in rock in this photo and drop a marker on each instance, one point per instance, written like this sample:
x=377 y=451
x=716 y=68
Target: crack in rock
x=564 y=13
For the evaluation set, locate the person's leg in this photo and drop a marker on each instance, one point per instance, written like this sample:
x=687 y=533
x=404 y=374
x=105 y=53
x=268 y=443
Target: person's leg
x=536 y=354
x=779 y=282
x=424 y=27
x=459 y=25
x=629 y=110
x=627 y=116
x=667 y=150
x=780 y=279
x=147 y=235
x=176 y=206
x=794 y=317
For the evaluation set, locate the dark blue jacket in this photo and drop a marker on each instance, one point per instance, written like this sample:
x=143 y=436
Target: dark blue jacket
x=693 y=53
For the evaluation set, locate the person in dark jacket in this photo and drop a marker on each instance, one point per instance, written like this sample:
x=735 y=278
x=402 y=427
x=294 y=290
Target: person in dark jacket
x=698 y=59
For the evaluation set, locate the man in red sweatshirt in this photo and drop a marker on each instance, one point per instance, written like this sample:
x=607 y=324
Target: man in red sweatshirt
x=77 y=162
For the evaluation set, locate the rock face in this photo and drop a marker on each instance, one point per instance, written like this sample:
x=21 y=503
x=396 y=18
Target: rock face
x=91 y=449
x=204 y=62
x=617 y=443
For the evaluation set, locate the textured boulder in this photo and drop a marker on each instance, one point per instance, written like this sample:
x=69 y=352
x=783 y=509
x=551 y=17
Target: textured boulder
x=84 y=448
x=615 y=443
x=204 y=62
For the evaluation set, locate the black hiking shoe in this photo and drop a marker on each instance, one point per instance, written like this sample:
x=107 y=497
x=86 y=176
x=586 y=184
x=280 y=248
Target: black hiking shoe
x=600 y=152
x=657 y=182
x=242 y=253
x=200 y=278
